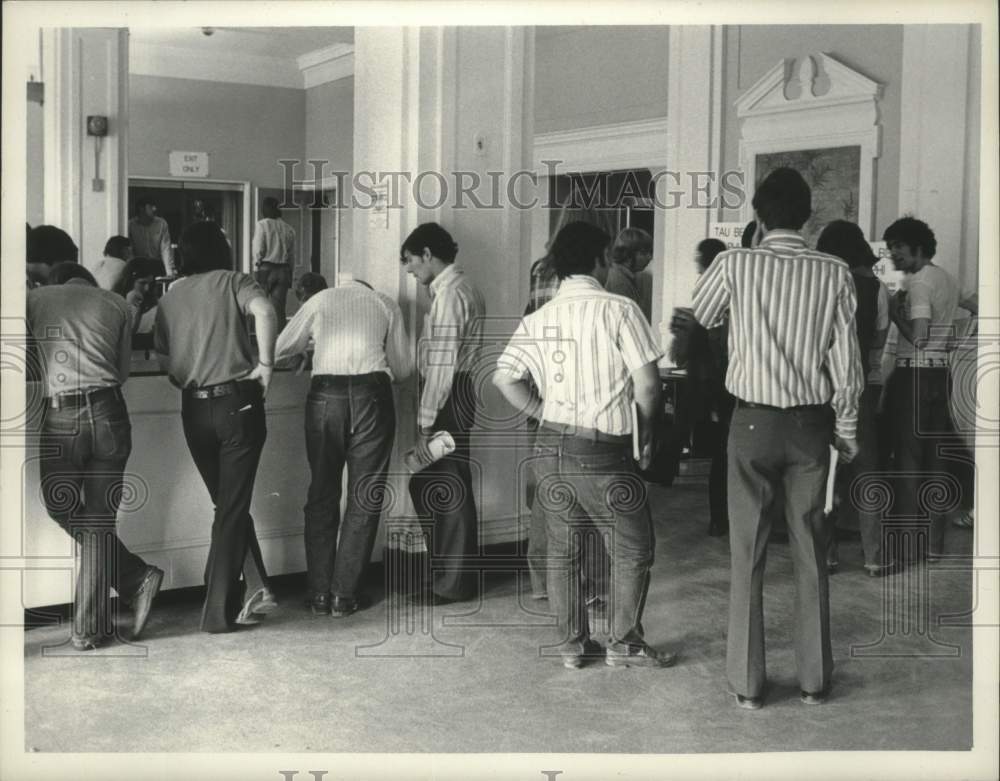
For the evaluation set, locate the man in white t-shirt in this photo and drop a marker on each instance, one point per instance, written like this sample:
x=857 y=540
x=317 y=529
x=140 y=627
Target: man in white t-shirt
x=917 y=395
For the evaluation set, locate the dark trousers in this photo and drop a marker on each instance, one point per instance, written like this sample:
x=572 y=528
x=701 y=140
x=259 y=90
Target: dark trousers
x=84 y=452
x=596 y=566
x=772 y=451
x=352 y=421
x=584 y=482
x=443 y=498
x=276 y=280
x=226 y=436
x=919 y=402
x=853 y=484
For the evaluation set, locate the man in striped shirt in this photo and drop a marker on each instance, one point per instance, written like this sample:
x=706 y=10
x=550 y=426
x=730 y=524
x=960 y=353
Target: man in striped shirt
x=447 y=358
x=793 y=355
x=591 y=353
x=360 y=349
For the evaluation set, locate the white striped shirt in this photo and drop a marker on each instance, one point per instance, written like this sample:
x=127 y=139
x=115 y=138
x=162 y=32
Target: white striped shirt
x=580 y=350
x=355 y=331
x=451 y=339
x=792 y=338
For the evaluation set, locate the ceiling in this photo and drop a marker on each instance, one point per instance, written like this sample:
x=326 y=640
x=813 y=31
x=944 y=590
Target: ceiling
x=287 y=43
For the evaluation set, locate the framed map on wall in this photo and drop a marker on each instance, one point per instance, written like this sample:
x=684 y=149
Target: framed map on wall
x=834 y=176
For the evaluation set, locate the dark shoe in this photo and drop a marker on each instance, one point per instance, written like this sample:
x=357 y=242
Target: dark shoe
x=749 y=703
x=319 y=604
x=87 y=643
x=142 y=602
x=637 y=655
x=341 y=607
x=814 y=698
x=591 y=650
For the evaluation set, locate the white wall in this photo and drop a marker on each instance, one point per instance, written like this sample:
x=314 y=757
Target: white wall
x=245 y=128
x=599 y=75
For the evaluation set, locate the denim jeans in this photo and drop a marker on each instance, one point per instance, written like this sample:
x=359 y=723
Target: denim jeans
x=349 y=421
x=596 y=568
x=84 y=452
x=226 y=435
x=581 y=482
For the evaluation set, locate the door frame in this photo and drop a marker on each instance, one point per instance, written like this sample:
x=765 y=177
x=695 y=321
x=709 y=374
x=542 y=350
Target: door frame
x=227 y=185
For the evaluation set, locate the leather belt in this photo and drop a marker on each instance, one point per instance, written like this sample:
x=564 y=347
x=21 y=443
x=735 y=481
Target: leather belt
x=590 y=434
x=217 y=391
x=922 y=363
x=323 y=381
x=796 y=408
x=85 y=398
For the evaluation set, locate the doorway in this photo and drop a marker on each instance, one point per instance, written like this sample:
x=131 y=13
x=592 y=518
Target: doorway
x=183 y=202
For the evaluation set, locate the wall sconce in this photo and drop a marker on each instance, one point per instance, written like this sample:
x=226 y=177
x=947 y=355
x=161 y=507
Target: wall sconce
x=97 y=127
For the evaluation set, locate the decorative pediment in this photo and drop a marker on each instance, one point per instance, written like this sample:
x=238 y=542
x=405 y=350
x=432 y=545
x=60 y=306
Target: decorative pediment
x=813 y=103
x=809 y=83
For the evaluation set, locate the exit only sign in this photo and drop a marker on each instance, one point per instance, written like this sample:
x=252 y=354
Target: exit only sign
x=189 y=164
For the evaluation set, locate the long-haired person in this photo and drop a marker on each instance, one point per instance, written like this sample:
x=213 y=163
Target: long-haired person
x=847 y=241
x=204 y=343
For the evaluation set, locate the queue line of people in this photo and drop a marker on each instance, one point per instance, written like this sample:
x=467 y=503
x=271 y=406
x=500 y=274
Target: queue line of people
x=795 y=375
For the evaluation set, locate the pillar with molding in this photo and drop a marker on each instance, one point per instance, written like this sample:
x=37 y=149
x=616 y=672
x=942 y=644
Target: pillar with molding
x=432 y=101
x=939 y=160
x=85 y=71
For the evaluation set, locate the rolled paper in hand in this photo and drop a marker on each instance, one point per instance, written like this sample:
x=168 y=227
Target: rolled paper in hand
x=440 y=445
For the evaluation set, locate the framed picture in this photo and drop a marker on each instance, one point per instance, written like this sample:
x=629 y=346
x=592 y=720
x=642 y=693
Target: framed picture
x=832 y=173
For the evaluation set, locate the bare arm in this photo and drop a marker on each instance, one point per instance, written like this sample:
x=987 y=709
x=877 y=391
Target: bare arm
x=267 y=331
x=648 y=398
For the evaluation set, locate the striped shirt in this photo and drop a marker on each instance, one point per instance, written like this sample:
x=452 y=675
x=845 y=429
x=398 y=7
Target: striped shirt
x=273 y=242
x=355 y=331
x=792 y=338
x=451 y=339
x=580 y=349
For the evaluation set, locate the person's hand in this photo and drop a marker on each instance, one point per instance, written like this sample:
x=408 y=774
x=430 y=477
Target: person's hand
x=682 y=320
x=134 y=298
x=847 y=448
x=262 y=374
x=646 y=456
x=422 y=448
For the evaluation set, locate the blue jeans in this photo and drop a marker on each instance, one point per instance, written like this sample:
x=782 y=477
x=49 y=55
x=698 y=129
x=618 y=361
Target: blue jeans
x=84 y=452
x=581 y=482
x=349 y=421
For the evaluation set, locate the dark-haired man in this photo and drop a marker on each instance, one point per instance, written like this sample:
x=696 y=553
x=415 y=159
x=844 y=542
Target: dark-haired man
x=917 y=394
x=47 y=245
x=84 y=339
x=447 y=357
x=793 y=356
x=203 y=342
x=150 y=235
x=590 y=353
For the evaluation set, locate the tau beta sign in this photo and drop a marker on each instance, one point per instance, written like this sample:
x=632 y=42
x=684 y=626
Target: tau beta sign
x=189 y=164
